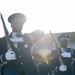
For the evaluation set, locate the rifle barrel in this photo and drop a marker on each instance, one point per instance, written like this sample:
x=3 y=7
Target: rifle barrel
x=6 y=32
x=57 y=48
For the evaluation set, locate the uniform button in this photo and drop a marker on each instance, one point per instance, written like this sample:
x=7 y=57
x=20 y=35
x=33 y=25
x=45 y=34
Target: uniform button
x=26 y=46
x=20 y=56
x=18 y=49
x=21 y=63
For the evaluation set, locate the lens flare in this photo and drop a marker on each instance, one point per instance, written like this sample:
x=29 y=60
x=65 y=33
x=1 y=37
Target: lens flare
x=44 y=52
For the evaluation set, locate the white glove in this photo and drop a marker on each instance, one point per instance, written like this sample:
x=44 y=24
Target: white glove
x=10 y=55
x=16 y=39
x=63 y=68
x=66 y=54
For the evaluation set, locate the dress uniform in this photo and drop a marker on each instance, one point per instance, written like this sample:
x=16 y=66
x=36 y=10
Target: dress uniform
x=17 y=60
x=66 y=55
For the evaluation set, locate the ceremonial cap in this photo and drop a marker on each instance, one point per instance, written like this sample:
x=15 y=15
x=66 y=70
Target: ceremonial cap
x=37 y=34
x=63 y=36
x=17 y=17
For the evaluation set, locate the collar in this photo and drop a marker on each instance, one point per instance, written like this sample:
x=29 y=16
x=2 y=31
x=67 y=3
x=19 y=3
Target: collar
x=16 y=34
x=63 y=49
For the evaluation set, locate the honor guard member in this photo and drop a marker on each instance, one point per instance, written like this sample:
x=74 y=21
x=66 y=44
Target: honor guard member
x=37 y=35
x=66 y=55
x=17 y=60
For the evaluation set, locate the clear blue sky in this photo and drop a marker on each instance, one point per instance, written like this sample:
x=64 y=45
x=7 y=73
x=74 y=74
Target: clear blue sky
x=54 y=15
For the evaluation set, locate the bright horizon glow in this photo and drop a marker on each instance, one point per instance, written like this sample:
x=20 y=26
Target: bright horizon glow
x=55 y=15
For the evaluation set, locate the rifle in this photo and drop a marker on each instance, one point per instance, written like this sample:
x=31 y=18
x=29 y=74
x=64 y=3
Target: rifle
x=57 y=48
x=6 y=32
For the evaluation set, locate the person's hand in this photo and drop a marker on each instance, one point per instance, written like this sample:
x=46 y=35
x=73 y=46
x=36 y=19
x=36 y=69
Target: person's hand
x=10 y=55
x=63 y=68
x=66 y=54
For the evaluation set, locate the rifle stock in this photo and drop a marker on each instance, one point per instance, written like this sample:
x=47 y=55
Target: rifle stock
x=57 y=48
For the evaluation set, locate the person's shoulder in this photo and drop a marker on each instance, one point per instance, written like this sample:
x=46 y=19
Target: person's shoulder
x=54 y=50
x=2 y=38
x=69 y=48
x=27 y=36
x=72 y=50
x=54 y=53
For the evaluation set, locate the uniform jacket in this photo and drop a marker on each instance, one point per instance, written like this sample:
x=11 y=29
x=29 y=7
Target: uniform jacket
x=54 y=62
x=24 y=61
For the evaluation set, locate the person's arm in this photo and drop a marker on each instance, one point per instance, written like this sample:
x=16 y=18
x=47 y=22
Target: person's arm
x=73 y=53
x=2 y=49
x=52 y=62
x=5 y=54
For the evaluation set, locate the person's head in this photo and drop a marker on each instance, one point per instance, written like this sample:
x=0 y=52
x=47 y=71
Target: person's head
x=17 y=21
x=63 y=40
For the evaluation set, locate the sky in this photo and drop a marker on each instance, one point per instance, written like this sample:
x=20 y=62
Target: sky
x=55 y=15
